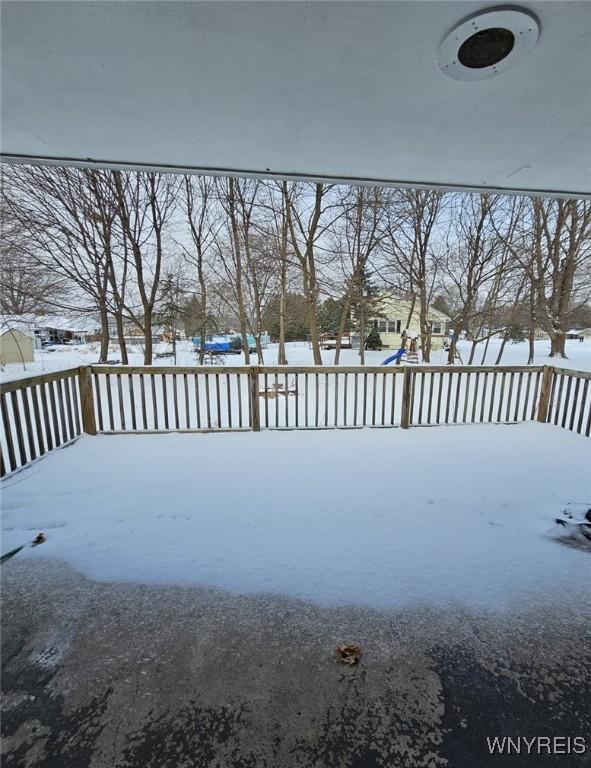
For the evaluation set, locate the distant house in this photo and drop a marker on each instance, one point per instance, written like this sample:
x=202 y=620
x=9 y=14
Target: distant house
x=16 y=347
x=575 y=335
x=134 y=334
x=55 y=329
x=46 y=330
x=394 y=319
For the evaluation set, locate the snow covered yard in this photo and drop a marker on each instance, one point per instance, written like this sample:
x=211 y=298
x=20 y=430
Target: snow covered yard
x=298 y=353
x=459 y=516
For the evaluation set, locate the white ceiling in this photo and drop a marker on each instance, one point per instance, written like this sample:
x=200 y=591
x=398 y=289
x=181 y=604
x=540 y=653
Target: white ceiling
x=344 y=90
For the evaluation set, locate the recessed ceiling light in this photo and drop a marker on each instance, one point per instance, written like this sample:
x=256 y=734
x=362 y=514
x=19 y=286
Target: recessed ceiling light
x=488 y=43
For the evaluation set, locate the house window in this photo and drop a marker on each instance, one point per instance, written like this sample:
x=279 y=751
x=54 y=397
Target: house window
x=436 y=327
x=394 y=326
x=382 y=326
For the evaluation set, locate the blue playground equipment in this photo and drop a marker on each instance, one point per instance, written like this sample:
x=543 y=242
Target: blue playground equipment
x=223 y=344
x=396 y=356
x=215 y=344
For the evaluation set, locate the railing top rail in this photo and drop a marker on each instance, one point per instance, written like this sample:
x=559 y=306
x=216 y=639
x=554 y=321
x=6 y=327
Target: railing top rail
x=398 y=368
x=572 y=372
x=44 y=378
x=475 y=368
x=271 y=369
x=159 y=369
x=313 y=369
x=11 y=386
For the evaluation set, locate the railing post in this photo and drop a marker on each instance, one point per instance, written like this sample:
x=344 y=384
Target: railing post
x=87 y=401
x=406 y=395
x=545 y=390
x=255 y=410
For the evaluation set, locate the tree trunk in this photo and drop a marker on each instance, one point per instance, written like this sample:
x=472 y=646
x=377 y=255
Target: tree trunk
x=203 y=313
x=531 y=336
x=427 y=347
x=313 y=325
x=531 y=340
x=485 y=351
x=244 y=335
x=281 y=356
x=202 y=334
x=104 y=318
x=557 y=344
x=121 y=338
x=502 y=349
x=425 y=328
x=362 y=334
x=147 y=335
x=341 y=330
x=259 y=348
x=238 y=262
x=472 y=351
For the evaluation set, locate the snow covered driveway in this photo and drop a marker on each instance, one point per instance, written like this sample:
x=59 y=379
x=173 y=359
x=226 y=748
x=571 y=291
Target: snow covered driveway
x=387 y=519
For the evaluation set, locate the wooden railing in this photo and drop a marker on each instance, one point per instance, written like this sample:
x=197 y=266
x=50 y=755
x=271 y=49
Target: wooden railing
x=568 y=403
x=44 y=412
x=38 y=414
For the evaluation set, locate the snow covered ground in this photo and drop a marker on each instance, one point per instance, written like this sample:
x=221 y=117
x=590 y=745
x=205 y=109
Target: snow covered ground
x=298 y=353
x=460 y=516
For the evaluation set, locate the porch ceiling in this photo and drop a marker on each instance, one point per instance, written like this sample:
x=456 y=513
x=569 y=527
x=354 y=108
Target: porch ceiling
x=349 y=91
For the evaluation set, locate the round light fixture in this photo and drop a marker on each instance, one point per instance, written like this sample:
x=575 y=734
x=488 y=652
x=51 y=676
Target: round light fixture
x=488 y=43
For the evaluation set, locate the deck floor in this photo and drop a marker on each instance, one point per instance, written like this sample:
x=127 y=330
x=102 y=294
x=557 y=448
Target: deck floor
x=186 y=606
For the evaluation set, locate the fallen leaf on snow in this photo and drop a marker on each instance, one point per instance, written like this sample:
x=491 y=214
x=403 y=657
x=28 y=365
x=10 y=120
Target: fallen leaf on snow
x=348 y=654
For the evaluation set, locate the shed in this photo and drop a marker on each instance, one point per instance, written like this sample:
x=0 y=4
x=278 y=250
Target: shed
x=15 y=347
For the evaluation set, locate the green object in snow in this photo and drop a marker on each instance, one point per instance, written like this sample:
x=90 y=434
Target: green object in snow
x=39 y=539
x=10 y=554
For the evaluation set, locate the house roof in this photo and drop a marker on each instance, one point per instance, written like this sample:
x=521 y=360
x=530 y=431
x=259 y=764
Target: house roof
x=31 y=322
x=398 y=304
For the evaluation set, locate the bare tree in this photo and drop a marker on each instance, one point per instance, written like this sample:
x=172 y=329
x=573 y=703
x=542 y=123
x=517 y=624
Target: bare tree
x=145 y=203
x=115 y=249
x=473 y=259
x=411 y=228
x=358 y=235
x=231 y=256
x=58 y=209
x=308 y=223
x=257 y=261
x=278 y=233
x=26 y=286
x=203 y=227
x=560 y=250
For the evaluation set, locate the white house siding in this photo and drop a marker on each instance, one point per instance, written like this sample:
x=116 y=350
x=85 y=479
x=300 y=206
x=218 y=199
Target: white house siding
x=393 y=321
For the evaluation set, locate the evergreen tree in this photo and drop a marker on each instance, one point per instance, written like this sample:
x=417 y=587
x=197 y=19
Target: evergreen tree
x=516 y=333
x=373 y=340
x=296 y=317
x=364 y=308
x=329 y=316
x=171 y=307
